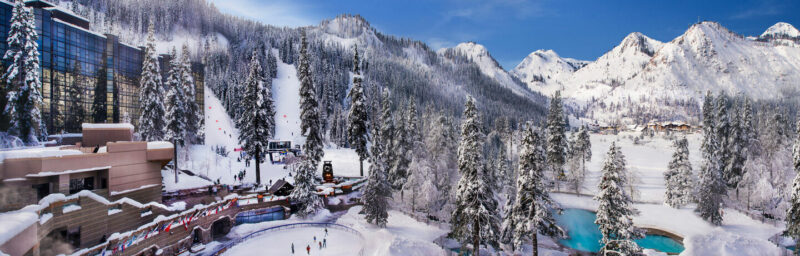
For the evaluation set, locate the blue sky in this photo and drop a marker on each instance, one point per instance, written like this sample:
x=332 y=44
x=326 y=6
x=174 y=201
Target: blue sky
x=511 y=29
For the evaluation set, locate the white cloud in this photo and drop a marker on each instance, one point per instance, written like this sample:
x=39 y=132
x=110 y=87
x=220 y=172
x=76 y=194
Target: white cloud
x=274 y=12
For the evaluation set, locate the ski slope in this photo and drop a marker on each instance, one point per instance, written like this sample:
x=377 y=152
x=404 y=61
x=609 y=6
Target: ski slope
x=286 y=95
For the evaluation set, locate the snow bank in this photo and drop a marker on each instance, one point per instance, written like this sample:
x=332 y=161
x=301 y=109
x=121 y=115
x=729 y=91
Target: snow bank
x=14 y=222
x=403 y=235
x=719 y=242
x=107 y=126
x=159 y=144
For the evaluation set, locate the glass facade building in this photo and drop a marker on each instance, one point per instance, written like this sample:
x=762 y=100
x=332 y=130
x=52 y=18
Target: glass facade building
x=77 y=63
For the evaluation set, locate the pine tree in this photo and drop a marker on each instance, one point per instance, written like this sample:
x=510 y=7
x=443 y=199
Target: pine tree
x=678 y=177
x=99 y=111
x=533 y=207
x=556 y=137
x=402 y=153
x=252 y=124
x=24 y=96
x=357 y=117
x=5 y=89
x=75 y=108
x=377 y=191
x=272 y=63
x=304 y=192
x=712 y=185
x=194 y=115
x=474 y=218
x=309 y=107
x=724 y=128
x=615 y=210
x=151 y=120
x=793 y=213
x=176 y=104
x=738 y=143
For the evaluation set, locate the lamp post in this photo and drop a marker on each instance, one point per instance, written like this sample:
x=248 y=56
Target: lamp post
x=175 y=157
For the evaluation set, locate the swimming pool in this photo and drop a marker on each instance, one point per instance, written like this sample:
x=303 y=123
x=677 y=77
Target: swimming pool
x=584 y=235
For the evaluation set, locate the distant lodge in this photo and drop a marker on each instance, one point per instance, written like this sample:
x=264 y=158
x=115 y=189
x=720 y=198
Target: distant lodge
x=654 y=126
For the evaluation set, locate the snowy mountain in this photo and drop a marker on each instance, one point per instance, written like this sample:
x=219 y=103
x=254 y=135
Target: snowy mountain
x=643 y=79
x=544 y=71
x=781 y=30
x=479 y=55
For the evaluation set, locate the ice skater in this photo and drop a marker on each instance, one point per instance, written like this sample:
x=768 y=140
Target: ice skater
x=320 y=245
x=324 y=243
x=326 y=232
x=308 y=249
x=315 y=238
x=292 y=248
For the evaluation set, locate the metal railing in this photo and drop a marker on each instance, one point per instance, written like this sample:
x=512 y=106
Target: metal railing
x=222 y=249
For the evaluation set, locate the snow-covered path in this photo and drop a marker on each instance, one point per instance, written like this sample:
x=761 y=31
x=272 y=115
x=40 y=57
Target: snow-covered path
x=286 y=94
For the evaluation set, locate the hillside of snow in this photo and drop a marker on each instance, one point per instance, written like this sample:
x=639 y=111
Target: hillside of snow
x=479 y=55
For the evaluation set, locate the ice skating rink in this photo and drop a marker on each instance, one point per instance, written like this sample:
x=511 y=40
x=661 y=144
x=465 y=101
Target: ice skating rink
x=279 y=242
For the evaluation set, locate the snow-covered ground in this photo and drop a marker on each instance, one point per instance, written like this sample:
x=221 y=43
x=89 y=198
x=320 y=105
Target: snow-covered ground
x=647 y=162
x=403 y=235
x=338 y=243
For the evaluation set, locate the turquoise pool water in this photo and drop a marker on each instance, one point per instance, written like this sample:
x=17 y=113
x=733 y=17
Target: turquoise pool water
x=585 y=236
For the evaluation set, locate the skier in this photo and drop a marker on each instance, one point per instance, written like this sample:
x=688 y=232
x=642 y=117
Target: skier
x=292 y=248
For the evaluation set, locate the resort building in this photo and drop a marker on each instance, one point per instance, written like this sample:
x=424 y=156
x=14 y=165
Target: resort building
x=79 y=65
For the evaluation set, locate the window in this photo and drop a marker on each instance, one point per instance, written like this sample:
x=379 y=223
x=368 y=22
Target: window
x=76 y=185
x=42 y=190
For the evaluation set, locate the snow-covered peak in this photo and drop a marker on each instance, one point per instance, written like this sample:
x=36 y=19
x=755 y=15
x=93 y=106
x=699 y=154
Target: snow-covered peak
x=346 y=26
x=781 y=30
x=479 y=55
x=638 y=42
x=545 y=71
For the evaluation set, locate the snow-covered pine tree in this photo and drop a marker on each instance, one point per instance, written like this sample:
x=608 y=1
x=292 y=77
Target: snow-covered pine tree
x=151 y=120
x=711 y=186
x=533 y=207
x=194 y=113
x=75 y=108
x=176 y=103
x=615 y=210
x=585 y=147
x=387 y=131
x=377 y=191
x=402 y=154
x=272 y=63
x=738 y=143
x=309 y=107
x=5 y=89
x=556 y=137
x=509 y=220
x=252 y=124
x=24 y=96
x=678 y=177
x=304 y=192
x=474 y=218
x=723 y=131
x=793 y=213
x=357 y=117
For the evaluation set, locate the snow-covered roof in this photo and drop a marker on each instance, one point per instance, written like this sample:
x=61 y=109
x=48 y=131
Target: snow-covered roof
x=14 y=222
x=38 y=153
x=45 y=174
x=159 y=144
x=79 y=28
x=107 y=126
